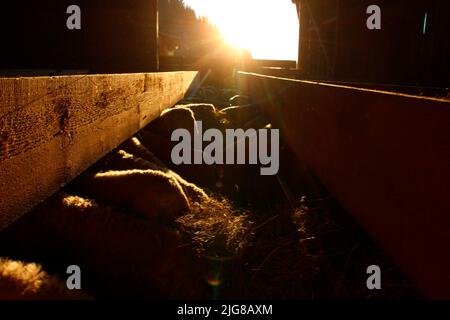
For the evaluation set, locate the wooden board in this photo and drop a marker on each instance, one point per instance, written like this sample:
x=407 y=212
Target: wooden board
x=53 y=128
x=384 y=156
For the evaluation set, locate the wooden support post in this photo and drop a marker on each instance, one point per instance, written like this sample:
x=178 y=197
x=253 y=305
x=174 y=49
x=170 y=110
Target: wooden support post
x=384 y=156
x=53 y=128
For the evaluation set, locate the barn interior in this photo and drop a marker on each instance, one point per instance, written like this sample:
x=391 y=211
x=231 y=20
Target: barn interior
x=359 y=137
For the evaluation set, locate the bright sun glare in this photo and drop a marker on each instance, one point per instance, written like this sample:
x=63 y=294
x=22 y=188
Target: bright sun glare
x=268 y=28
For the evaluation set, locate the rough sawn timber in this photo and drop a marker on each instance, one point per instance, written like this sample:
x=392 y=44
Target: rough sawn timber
x=53 y=128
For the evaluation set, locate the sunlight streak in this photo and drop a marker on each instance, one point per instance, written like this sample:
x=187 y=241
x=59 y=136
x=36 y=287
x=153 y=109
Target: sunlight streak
x=268 y=28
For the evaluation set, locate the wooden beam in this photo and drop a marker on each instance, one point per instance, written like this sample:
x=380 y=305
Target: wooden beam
x=384 y=156
x=286 y=64
x=53 y=128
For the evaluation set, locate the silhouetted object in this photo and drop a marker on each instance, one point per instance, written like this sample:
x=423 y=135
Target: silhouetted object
x=411 y=48
x=115 y=36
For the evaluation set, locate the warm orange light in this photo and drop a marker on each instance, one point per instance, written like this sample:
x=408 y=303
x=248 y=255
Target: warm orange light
x=268 y=28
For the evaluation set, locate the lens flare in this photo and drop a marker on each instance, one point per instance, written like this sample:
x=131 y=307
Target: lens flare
x=214 y=281
x=268 y=28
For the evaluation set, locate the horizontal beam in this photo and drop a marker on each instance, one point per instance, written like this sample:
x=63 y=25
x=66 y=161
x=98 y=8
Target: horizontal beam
x=53 y=128
x=384 y=156
x=287 y=64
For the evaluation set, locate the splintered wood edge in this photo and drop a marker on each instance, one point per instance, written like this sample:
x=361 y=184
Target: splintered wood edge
x=53 y=128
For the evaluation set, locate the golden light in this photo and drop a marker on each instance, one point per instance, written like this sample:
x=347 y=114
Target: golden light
x=268 y=28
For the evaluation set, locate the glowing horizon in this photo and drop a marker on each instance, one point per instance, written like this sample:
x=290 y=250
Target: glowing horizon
x=267 y=28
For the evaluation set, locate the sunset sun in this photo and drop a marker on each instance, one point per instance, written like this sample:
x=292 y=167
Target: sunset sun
x=267 y=28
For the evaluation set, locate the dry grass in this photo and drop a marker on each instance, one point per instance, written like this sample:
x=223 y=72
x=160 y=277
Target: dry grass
x=217 y=229
x=314 y=252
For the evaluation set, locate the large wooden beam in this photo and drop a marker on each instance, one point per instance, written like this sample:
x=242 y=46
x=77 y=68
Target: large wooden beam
x=53 y=128
x=384 y=156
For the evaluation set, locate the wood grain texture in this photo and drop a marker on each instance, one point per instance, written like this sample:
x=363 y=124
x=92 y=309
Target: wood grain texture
x=384 y=156
x=53 y=128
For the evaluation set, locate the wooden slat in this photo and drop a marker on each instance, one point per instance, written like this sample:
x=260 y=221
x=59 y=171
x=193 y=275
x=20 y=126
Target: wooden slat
x=384 y=156
x=53 y=128
x=286 y=64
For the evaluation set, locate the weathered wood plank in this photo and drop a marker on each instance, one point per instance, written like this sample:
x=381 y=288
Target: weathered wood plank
x=385 y=157
x=51 y=129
